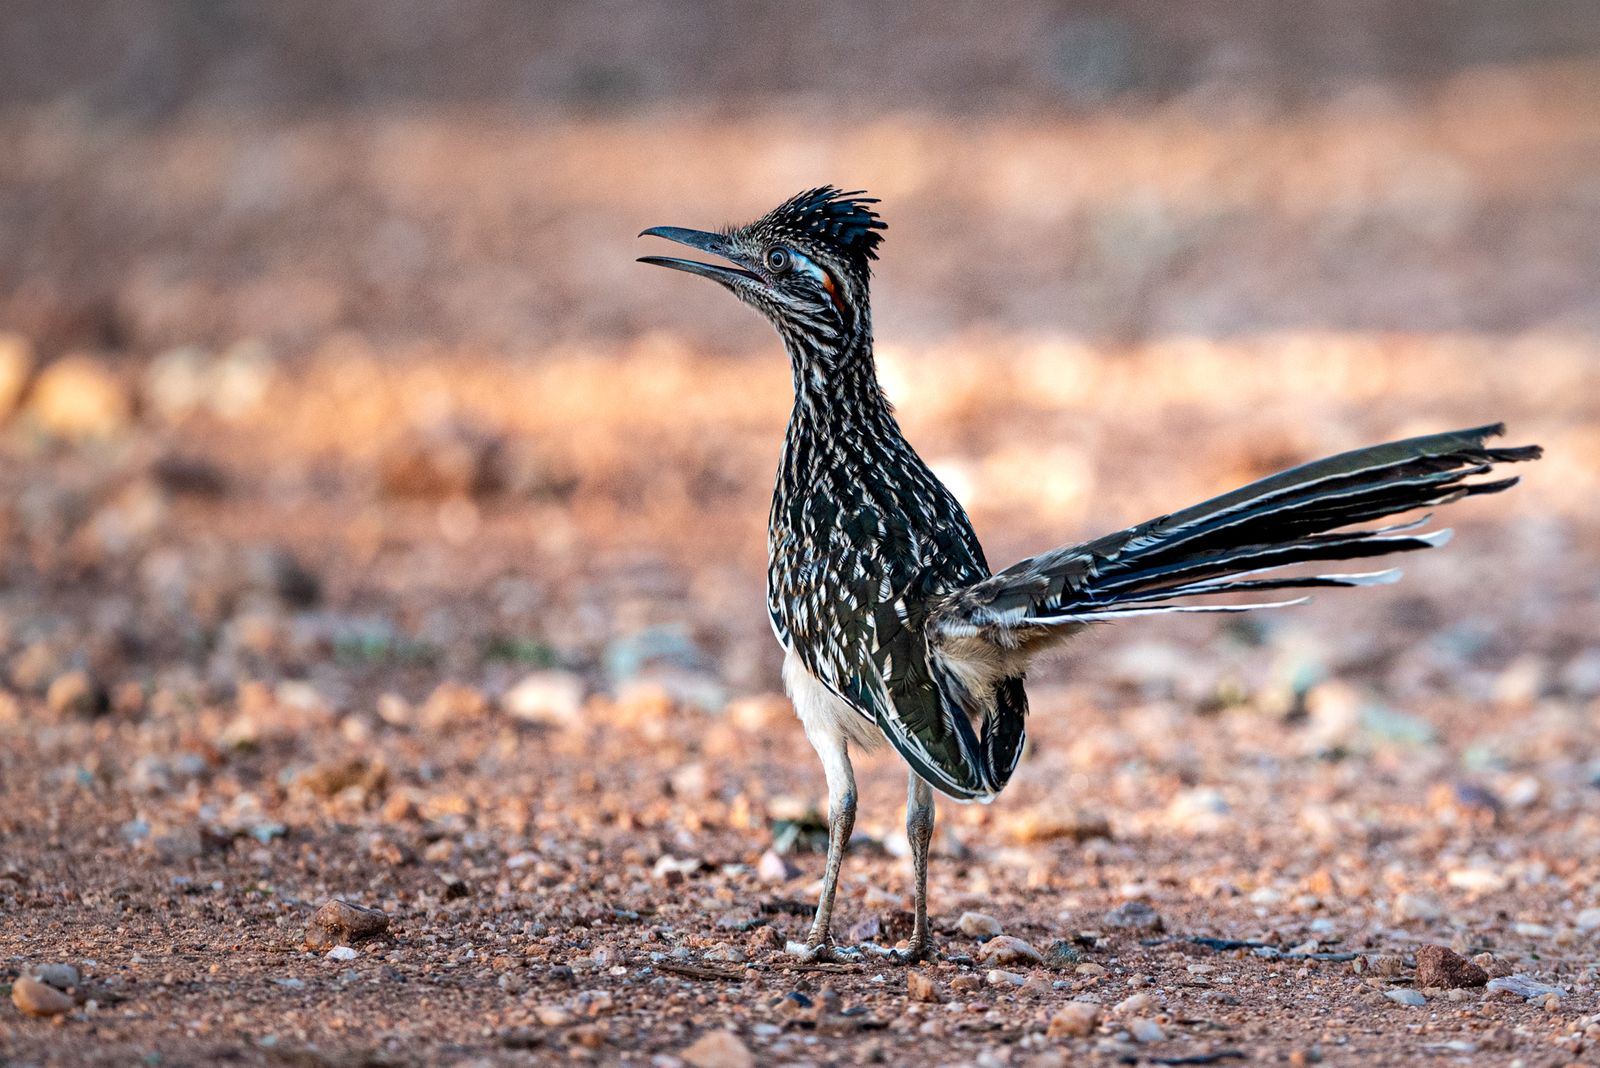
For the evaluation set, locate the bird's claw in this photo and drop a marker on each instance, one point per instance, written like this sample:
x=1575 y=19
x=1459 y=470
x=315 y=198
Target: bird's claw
x=913 y=954
x=821 y=952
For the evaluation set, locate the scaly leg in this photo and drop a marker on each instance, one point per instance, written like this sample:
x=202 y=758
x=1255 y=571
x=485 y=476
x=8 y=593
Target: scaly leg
x=835 y=754
x=919 y=832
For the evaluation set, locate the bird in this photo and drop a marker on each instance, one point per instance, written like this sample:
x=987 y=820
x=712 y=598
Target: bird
x=893 y=626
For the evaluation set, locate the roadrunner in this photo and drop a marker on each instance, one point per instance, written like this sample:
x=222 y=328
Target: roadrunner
x=892 y=623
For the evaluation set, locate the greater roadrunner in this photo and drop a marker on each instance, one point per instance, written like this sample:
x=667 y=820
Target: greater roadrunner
x=877 y=587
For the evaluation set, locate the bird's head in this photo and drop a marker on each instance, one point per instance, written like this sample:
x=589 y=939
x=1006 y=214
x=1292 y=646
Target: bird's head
x=805 y=265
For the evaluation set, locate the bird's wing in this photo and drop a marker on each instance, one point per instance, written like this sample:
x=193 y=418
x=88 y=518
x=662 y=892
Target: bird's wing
x=853 y=608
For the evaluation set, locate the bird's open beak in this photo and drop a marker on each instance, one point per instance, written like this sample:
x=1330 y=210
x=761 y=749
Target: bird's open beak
x=714 y=244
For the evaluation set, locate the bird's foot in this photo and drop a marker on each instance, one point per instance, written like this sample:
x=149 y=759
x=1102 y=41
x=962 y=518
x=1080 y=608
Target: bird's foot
x=910 y=953
x=821 y=952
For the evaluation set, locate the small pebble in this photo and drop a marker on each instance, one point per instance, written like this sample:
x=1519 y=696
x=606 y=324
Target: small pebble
x=1477 y=880
x=342 y=923
x=1061 y=955
x=1386 y=965
x=1146 y=1030
x=772 y=868
x=76 y=694
x=588 y=1036
x=1000 y=977
x=60 y=976
x=1440 y=967
x=38 y=998
x=920 y=987
x=978 y=925
x=1137 y=1003
x=342 y=953
x=1004 y=949
x=793 y=1004
x=1523 y=986
x=551 y=698
x=1075 y=1019
x=1424 y=907
x=80 y=396
x=1135 y=916
x=1406 y=996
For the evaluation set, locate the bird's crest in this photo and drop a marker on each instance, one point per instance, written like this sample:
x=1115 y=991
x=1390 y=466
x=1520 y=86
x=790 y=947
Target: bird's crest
x=843 y=220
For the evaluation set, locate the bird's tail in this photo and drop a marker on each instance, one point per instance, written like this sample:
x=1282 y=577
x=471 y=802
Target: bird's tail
x=1233 y=543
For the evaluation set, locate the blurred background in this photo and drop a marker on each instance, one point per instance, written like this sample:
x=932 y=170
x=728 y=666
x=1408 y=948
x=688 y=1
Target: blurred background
x=329 y=375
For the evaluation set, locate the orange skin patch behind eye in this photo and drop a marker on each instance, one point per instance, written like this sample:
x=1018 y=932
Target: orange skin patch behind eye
x=833 y=293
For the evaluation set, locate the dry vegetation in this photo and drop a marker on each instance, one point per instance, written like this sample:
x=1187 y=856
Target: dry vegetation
x=372 y=528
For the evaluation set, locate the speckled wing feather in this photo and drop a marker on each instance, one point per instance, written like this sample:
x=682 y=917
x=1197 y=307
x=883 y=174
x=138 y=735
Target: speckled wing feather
x=855 y=564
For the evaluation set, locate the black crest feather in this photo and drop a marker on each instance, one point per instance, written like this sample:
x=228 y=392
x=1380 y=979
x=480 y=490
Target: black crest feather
x=839 y=218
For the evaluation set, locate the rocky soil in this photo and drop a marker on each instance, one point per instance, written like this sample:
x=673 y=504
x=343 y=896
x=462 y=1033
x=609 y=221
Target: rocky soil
x=504 y=678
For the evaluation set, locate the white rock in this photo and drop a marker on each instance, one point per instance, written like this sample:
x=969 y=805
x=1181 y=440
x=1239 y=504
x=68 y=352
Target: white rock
x=1406 y=996
x=718 y=1049
x=1581 y=676
x=668 y=866
x=1199 y=811
x=772 y=868
x=550 y=697
x=342 y=953
x=1004 y=949
x=978 y=925
x=60 y=976
x=1477 y=880
x=999 y=977
x=1417 y=907
x=1075 y=1019
x=1589 y=919
x=79 y=396
x=1523 y=792
x=1525 y=986
x=1140 y=1002
x=553 y=1015
x=1146 y=1030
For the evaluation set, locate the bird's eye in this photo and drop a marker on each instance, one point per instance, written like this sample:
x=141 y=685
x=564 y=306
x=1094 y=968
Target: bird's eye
x=778 y=260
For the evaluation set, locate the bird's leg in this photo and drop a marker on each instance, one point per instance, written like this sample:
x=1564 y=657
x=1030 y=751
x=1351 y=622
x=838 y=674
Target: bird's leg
x=919 y=832
x=835 y=754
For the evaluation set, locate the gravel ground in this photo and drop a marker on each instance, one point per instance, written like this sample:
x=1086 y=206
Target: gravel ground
x=522 y=704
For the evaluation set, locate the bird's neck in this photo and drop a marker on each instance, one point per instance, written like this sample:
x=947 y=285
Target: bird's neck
x=836 y=386
x=842 y=425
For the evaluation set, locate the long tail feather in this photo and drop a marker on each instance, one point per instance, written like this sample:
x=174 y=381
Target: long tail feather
x=1301 y=516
